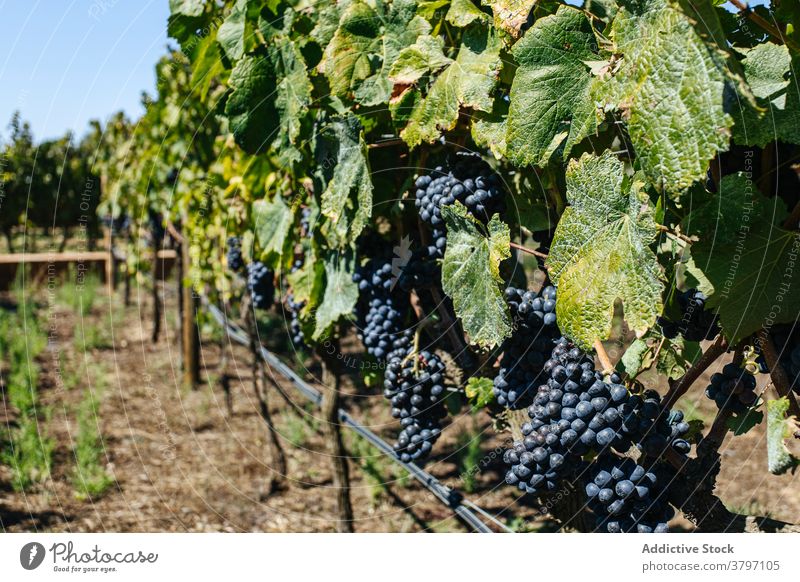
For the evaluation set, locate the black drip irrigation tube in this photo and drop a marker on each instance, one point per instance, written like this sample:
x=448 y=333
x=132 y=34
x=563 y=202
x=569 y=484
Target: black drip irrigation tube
x=446 y=495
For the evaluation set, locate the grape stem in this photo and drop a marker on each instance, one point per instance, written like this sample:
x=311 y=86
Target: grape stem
x=602 y=354
x=676 y=235
x=778 y=375
x=539 y=254
x=682 y=385
x=745 y=10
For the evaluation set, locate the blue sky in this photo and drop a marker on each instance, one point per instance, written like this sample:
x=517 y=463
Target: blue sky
x=65 y=62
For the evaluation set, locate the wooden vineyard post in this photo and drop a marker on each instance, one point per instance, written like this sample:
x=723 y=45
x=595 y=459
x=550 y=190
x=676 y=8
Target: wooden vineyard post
x=189 y=332
x=109 y=236
x=331 y=378
x=156 y=296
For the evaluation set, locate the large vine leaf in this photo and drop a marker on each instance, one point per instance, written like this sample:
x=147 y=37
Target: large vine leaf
x=670 y=88
x=251 y=109
x=748 y=261
x=187 y=7
x=600 y=252
x=467 y=82
x=769 y=72
x=471 y=274
x=273 y=219
x=293 y=95
x=510 y=15
x=551 y=106
x=271 y=93
x=463 y=13
x=232 y=33
x=423 y=57
x=347 y=199
x=340 y=294
x=366 y=44
x=779 y=428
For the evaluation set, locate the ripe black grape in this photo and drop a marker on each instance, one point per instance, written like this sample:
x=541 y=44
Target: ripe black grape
x=261 y=285
x=529 y=347
x=295 y=330
x=417 y=399
x=234 y=254
x=733 y=389
x=381 y=309
x=696 y=323
x=468 y=180
x=626 y=497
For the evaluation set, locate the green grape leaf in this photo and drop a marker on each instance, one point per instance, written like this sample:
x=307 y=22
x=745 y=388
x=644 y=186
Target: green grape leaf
x=347 y=199
x=677 y=356
x=273 y=219
x=366 y=44
x=479 y=391
x=423 y=57
x=466 y=82
x=779 y=428
x=187 y=7
x=463 y=12
x=510 y=15
x=253 y=118
x=292 y=97
x=306 y=279
x=489 y=131
x=231 y=33
x=749 y=262
x=341 y=293
x=601 y=252
x=770 y=74
x=551 y=108
x=670 y=89
x=637 y=357
x=471 y=274
x=270 y=94
x=740 y=424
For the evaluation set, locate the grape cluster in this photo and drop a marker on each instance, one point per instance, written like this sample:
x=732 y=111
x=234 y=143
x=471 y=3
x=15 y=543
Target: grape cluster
x=468 y=180
x=575 y=412
x=625 y=497
x=417 y=400
x=380 y=310
x=528 y=348
x=696 y=323
x=305 y=221
x=234 y=254
x=261 y=285
x=295 y=330
x=733 y=389
x=421 y=272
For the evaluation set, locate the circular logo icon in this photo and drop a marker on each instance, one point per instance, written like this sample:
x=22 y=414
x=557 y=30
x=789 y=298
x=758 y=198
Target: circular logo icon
x=31 y=555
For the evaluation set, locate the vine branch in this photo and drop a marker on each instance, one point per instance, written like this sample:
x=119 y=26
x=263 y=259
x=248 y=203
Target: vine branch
x=746 y=10
x=682 y=385
x=778 y=375
x=519 y=247
x=602 y=355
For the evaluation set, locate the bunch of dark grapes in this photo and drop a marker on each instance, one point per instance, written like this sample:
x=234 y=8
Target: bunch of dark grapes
x=652 y=429
x=468 y=180
x=734 y=389
x=417 y=399
x=576 y=412
x=295 y=330
x=380 y=310
x=421 y=272
x=626 y=497
x=305 y=221
x=261 y=285
x=234 y=254
x=528 y=348
x=696 y=323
